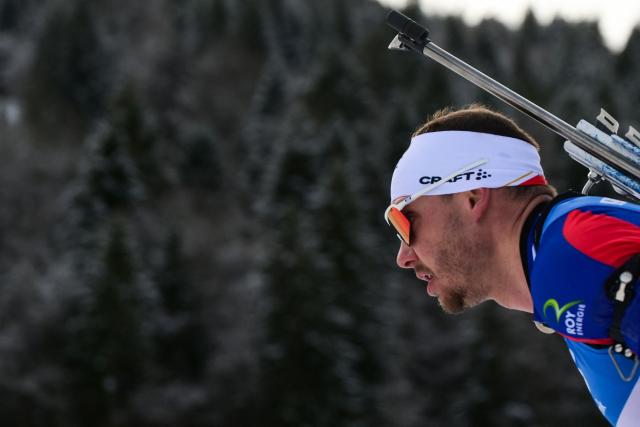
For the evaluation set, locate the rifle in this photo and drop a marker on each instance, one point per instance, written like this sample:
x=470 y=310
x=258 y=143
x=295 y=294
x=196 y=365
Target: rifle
x=608 y=156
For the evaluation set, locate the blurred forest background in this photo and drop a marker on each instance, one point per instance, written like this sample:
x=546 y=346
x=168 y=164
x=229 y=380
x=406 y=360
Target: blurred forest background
x=191 y=199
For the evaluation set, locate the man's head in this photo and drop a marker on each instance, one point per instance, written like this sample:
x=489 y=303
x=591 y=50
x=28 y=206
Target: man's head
x=454 y=228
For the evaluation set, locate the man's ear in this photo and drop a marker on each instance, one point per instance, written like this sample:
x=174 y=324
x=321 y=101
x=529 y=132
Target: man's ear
x=478 y=202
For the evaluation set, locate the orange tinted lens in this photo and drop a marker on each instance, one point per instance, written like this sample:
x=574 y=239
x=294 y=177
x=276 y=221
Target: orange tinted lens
x=400 y=223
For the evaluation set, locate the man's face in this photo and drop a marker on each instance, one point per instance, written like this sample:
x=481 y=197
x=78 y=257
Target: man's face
x=446 y=252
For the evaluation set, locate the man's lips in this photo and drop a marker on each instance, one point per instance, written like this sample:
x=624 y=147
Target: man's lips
x=427 y=277
x=424 y=276
x=431 y=290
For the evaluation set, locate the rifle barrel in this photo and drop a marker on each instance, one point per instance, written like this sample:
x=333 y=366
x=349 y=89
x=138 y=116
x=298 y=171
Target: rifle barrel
x=522 y=104
x=414 y=37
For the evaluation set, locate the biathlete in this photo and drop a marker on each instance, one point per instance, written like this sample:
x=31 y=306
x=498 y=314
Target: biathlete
x=478 y=221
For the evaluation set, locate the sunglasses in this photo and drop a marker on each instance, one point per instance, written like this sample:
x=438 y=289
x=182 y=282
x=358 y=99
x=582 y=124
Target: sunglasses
x=396 y=219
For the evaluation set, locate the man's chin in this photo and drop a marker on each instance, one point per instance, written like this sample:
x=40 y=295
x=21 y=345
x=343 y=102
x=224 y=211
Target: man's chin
x=457 y=302
x=452 y=304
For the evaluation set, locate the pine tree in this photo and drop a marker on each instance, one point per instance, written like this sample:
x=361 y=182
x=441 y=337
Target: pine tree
x=107 y=186
x=624 y=89
x=341 y=218
x=318 y=362
x=9 y=15
x=69 y=77
x=201 y=167
x=525 y=65
x=207 y=23
x=129 y=128
x=245 y=24
x=181 y=340
x=106 y=347
x=629 y=59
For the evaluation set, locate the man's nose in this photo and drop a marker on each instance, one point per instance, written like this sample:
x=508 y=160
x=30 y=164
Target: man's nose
x=406 y=256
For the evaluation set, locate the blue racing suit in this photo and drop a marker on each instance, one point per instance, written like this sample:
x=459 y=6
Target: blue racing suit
x=571 y=247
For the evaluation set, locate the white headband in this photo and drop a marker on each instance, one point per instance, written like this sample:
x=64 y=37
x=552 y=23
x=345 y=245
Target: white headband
x=433 y=155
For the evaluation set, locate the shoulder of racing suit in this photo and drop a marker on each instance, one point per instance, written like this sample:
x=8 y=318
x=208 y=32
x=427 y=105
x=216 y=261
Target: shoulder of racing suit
x=577 y=245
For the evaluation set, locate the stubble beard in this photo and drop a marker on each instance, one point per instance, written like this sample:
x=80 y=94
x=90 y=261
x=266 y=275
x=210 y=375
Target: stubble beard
x=462 y=260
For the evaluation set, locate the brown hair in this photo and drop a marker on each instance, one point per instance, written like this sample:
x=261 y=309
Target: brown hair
x=478 y=118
